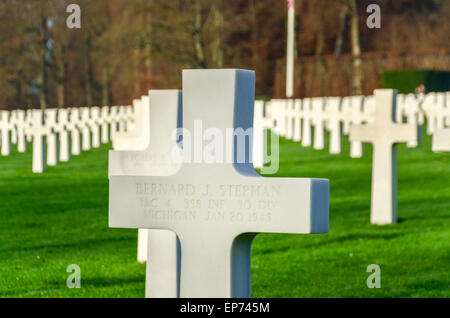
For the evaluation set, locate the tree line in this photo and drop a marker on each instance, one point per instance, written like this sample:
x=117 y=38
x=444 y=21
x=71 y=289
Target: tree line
x=125 y=47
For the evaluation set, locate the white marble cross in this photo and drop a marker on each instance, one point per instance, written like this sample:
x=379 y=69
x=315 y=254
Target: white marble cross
x=368 y=108
x=137 y=138
x=94 y=125
x=306 y=124
x=346 y=110
x=441 y=140
x=38 y=134
x=29 y=125
x=318 y=121
x=216 y=208
x=105 y=123
x=122 y=119
x=128 y=115
x=113 y=121
x=152 y=156
x=334 y=118
x=293 y=114
x=278 y=113
x=51 y=136
x=290 y=114
x=401 y=108
x=440 y=110
x=441 y=136
x=13 y=120
x=261 y=124
x=64 y=140
x=85 y=129
x=73 y=126
x=21 y=130
x=6 y=127
x=42 y=123
x=430 y=107
x=413 y=114
x=358 y=117
x=298 y=113
x=384 y=133
x=447 y=102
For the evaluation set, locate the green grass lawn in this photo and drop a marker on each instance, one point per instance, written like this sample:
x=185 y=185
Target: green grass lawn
x=59 y=218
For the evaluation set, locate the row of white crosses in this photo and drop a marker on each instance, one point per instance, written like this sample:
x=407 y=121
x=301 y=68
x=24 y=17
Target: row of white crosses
x=57 y=133
x=437 y=109
x=297 y=119
x=374 y=119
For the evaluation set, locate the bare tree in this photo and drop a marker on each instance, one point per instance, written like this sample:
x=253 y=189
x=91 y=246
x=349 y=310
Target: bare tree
x=356 y=49
x=341 y=30
x=217 y=30
x=197 y=30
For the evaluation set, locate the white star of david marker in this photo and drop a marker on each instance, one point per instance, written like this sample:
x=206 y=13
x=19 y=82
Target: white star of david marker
x=216 y=209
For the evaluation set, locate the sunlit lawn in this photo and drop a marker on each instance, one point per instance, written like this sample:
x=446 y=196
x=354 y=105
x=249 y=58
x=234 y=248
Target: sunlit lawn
x=50 y=221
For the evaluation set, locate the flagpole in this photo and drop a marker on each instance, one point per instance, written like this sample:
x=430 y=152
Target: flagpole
x=290 y=49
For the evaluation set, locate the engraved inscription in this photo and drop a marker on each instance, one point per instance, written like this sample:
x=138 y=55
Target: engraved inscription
x=241 y=203
x=152 y=163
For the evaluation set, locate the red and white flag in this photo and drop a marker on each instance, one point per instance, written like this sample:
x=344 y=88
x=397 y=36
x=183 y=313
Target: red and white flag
x=290 y=4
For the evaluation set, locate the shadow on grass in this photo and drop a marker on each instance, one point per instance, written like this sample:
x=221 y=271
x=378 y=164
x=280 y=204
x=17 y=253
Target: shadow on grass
x=420 y=286
x=95 y=282
x=354 y=237
x=49 y=286
x=112 y=281
x=77 y=244
x=332 y=240
x=420 y=218
x=265 y=251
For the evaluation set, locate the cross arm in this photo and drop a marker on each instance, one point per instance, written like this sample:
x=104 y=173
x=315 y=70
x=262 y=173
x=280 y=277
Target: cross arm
x=283 y=205
x=441 y=140
x=364 y=133
x=237 y=203
x=144 y=163
x=404 y=132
